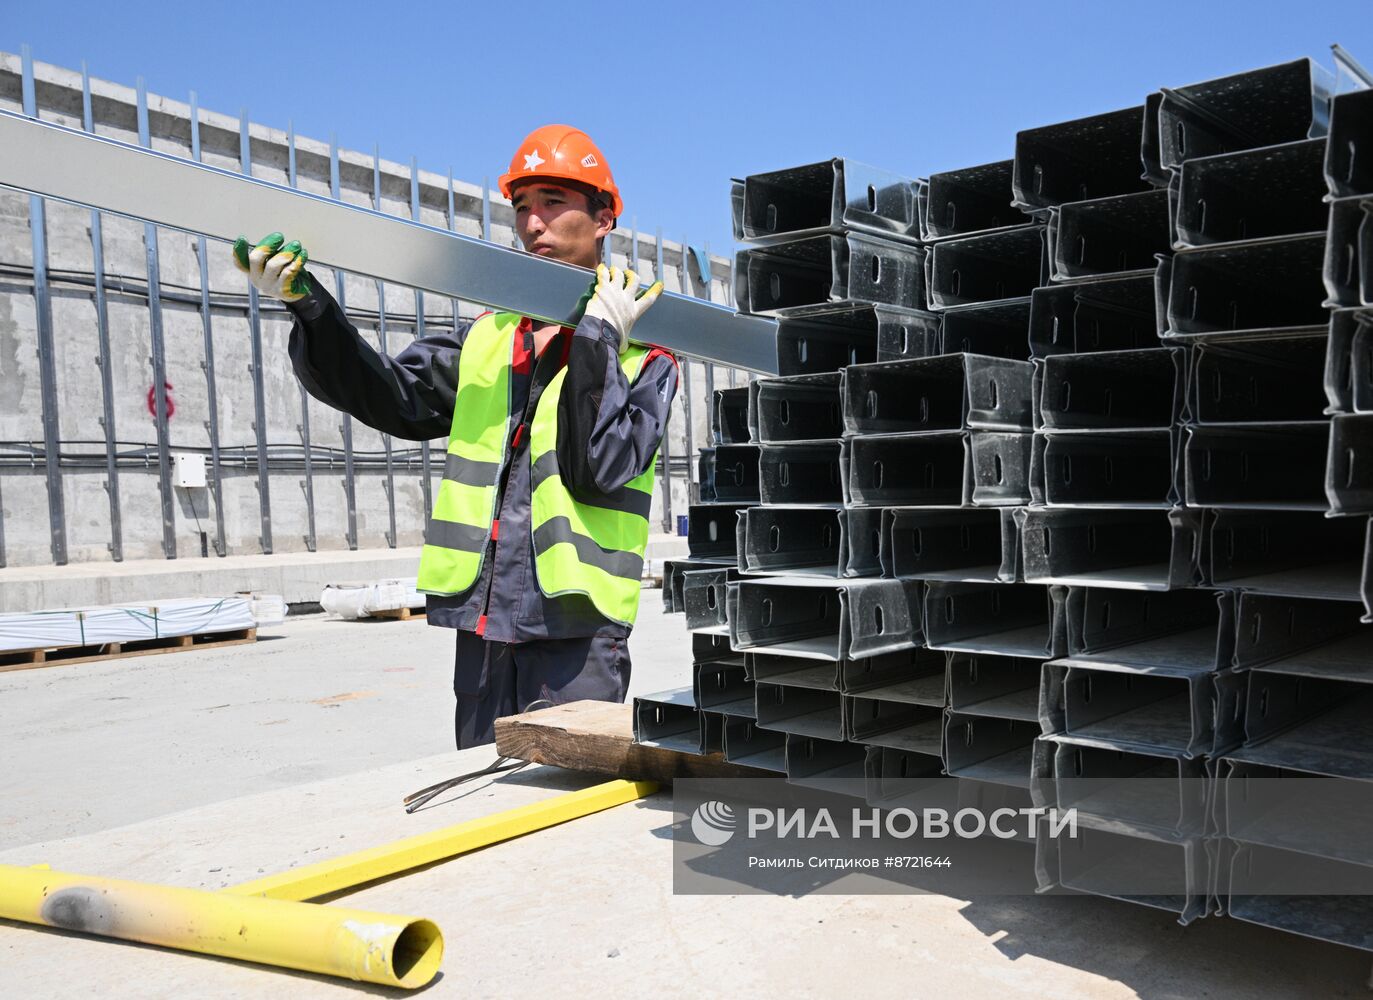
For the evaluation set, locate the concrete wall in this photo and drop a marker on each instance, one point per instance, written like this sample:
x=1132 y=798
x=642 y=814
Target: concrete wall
x=25 y=525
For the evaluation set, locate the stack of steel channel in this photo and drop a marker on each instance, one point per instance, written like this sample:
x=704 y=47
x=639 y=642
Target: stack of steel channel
x=838 y=262
x=1093 y=520
x=1142 y=651
x=1307 y=658
x=1181 y=497
x=832 y=648
x=1243 y=294
x=696 y=586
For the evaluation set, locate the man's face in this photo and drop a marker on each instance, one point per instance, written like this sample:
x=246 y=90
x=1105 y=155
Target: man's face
x=559 y=222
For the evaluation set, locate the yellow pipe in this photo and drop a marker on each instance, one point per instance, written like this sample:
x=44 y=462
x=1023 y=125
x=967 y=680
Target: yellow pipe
x=332 y=941
x=353 y=870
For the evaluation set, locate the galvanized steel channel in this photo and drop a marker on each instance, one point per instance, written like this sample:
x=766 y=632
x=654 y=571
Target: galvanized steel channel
x=1108 y=507
x=171 y=191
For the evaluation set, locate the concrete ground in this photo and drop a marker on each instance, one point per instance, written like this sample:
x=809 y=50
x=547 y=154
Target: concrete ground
x=204 y=769
x=96 y=745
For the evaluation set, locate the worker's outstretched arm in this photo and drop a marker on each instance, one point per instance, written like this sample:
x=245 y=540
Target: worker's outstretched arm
x=409 y=396
x=608 y=427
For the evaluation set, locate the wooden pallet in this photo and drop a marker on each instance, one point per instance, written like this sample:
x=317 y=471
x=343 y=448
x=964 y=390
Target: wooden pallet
x=398 y=614
x=598 y=736
x=32 y=659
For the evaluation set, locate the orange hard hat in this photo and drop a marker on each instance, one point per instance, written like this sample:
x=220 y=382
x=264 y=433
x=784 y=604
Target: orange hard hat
x=561 y=152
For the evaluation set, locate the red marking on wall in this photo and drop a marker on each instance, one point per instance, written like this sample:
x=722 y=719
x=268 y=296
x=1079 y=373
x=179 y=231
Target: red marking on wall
x=152 y=400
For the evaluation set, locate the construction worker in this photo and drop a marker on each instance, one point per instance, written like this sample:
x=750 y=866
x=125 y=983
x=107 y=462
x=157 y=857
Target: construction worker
x=535 y=549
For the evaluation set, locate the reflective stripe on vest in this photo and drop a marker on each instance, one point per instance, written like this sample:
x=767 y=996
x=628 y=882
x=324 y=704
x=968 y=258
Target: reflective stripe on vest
x=584 y=548
x=457 y=533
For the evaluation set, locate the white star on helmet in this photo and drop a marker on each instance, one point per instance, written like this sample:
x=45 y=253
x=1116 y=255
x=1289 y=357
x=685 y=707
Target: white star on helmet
x=532 y=160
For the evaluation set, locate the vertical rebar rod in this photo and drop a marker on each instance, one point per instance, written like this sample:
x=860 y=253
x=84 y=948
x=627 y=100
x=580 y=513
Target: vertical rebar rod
x=685 y=272
x=666 y=475
x=486 y=209
x=159 y=352
x=264 y=495
x=104 y=360
x=709 y=368
x=381 y=342
x=346 y=426
x=425 y=485
x=667 y=433
x=47 y=360
x=453 y=227
x=207 y=364
x=308 y=483
x=386 y=438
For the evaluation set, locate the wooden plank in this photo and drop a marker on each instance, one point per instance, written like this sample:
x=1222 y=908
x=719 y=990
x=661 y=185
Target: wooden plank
x=399 y=614
x=61 y=656
x=598 y=737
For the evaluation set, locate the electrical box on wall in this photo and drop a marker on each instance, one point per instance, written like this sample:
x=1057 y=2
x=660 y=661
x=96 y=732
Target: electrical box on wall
x=188 y=471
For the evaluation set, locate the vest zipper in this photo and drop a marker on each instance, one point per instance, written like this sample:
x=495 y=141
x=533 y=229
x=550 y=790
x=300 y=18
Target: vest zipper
x=529 y=404
x=495 y=529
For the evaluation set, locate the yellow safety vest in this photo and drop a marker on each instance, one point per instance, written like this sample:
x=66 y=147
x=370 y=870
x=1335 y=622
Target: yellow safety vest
x=596 y=549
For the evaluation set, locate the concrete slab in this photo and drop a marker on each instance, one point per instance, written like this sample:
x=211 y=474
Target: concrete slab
x=297 y=576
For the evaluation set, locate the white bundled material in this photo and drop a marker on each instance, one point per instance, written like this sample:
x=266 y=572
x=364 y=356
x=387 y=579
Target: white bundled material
x=84 y=627
x=360 y=600
x=102 y=625
x=392 y=595
x=267 y=609
x=117 y=623
x=346 y=602
x=40 y=630
x=192 y=616
x=386 y=595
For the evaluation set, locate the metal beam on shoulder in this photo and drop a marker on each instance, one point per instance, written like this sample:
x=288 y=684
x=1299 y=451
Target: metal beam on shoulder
x=170 y=191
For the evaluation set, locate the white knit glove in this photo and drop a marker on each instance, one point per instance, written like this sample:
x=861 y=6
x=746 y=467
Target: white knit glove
x=616 y=300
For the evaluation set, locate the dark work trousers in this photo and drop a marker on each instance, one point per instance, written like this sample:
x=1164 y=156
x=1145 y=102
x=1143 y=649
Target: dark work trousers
x=496 y=679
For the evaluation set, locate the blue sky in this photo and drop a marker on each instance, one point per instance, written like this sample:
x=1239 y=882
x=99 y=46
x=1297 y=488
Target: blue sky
x=683 y=96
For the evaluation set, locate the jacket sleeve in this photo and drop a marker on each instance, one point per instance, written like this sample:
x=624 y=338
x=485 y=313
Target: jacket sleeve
x=608 y=428
x=409 y=396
